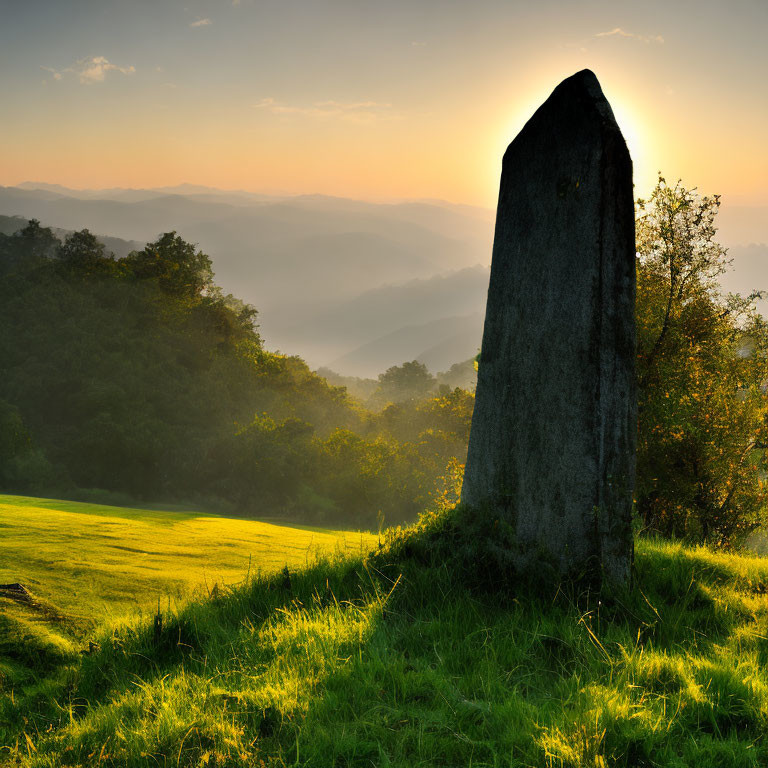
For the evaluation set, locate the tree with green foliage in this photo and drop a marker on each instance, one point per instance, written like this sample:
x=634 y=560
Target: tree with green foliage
x=23 y=467
x=14 y=441
x=702 y=372
x=179 y=268
x=408 y=381
x=83 y=253
x=27 y=249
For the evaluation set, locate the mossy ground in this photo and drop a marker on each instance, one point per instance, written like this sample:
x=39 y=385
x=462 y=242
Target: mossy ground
x=388 y=661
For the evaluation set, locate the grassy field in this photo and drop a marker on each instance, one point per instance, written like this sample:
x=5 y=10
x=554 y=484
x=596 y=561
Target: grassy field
x=393 y=660
x=94 y=562
x=91 y=567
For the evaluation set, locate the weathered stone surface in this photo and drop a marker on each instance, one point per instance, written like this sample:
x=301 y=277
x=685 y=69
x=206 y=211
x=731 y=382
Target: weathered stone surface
x=552 y=444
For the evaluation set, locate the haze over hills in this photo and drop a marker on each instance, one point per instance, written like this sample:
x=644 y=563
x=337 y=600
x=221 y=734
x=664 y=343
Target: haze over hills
x=744 y=231
x=411 y=319
x=437 y=343
x=353 y=285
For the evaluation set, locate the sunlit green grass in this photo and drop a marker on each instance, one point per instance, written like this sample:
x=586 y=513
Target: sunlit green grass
x=91 y=566
x=393 y=661
x=93 y=561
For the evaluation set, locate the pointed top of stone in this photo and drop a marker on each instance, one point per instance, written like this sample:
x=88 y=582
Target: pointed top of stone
x=576 y=106
x=586 y=83
x=585 y=78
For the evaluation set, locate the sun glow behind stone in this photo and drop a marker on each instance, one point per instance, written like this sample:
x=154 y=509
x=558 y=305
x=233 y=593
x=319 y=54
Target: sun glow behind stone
x=637 y=134
x=640 y=143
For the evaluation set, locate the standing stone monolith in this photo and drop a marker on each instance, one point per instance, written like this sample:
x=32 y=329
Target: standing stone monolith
x=552 y=443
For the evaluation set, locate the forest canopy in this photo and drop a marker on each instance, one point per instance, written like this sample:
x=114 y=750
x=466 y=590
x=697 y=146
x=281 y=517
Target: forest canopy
x=139 y=377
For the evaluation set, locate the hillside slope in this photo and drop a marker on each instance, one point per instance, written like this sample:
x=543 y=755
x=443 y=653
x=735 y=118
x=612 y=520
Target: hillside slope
x=396 y=661
x=69 y=571
x=131 y=557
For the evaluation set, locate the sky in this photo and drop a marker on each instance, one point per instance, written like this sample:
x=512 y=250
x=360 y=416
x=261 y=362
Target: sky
x=384 y=99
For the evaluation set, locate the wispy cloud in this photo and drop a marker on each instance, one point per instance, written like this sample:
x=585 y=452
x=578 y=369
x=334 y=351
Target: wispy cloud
x=201 y=23
x=95 y=69
x=90 y=70
x=356 y=111
x=619 y=32
x=56 y=74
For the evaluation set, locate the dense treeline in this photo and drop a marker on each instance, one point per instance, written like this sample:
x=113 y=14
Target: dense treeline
x=139 y=377
x=411 y=380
